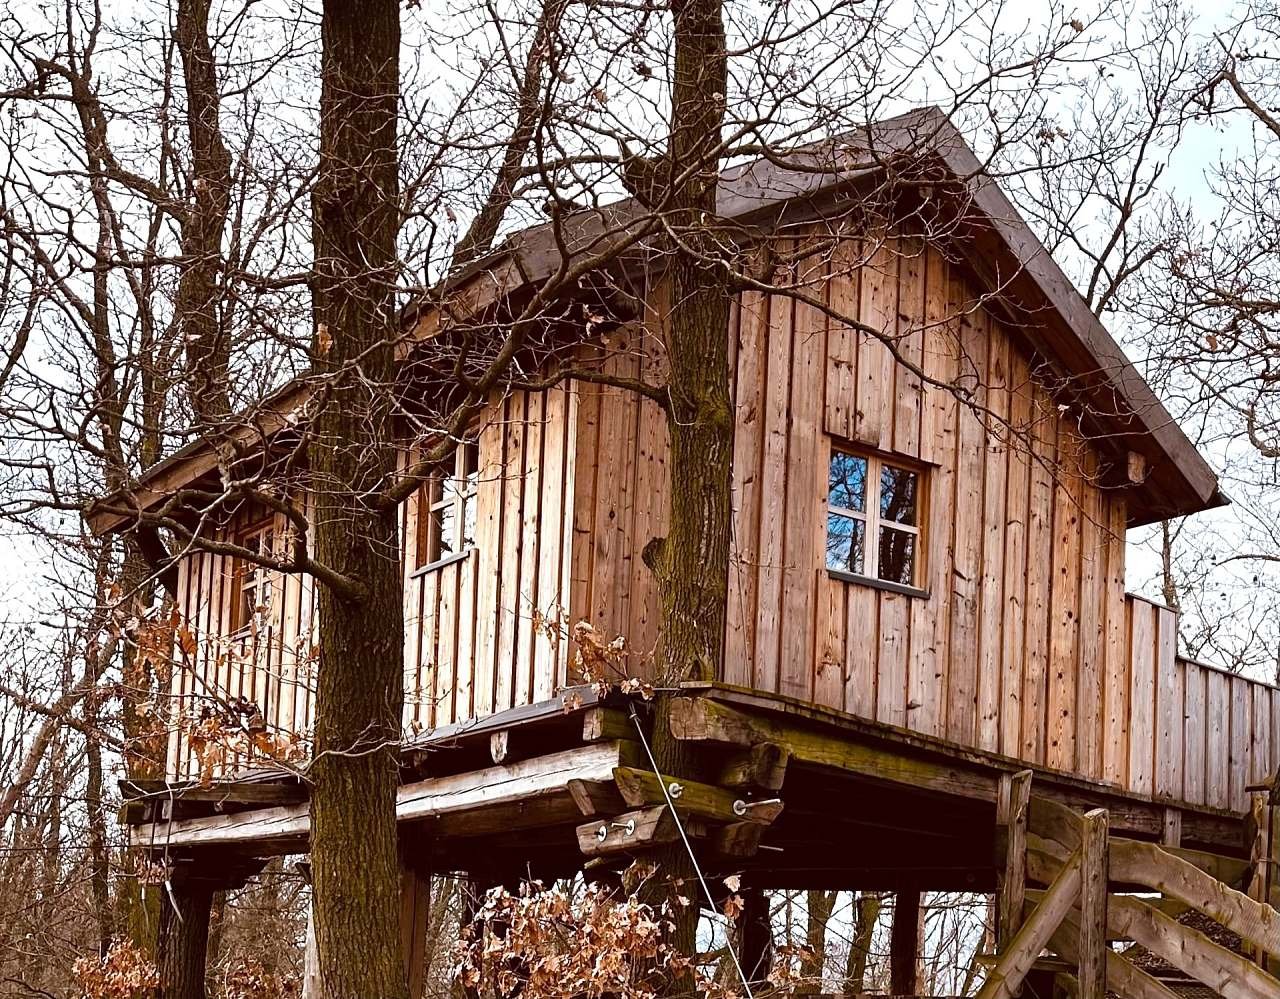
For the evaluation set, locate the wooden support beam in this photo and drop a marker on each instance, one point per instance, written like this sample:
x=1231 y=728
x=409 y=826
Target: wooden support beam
x=1012 y=804
x=1016 y=959
x=605 y=724
x=904 y=944
x=1152 y=867
x=762 y=766
x=738 y=839
x=700 y=719
x=1129 y=918
x=1149 y=866
x=596 y=797
x=1172 y=834
x=640 y=787
x=500 y=745
x=1123 y=977
x=511 y=787
x=1091 y=973
x=755 y=935
x=630 y=831
x=1227 y=973
x=415 y=911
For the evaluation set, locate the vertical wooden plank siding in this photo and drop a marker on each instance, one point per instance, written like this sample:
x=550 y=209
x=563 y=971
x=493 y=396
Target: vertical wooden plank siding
x=991 y=593
x=773 y=490
x=1240 y=744
x=966 y=519
x=1194 y=730
x=1115 y=685
x=1170 y=707
x=1142 y=676
x=1217 y=745
x=1020 y=640
x=744 y=557
x=931 y=619
x=1064 y=601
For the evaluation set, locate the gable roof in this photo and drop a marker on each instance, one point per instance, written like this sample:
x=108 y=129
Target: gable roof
x=994 y=239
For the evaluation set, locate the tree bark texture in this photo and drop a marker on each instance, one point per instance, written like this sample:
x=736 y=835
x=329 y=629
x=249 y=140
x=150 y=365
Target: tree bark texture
x=196 y=309
x=691 y=563
x=184 y=939
x=360 y=684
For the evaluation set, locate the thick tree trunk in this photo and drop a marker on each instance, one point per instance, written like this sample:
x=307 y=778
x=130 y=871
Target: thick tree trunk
x=866 y=914
x=820 y=905
x=196 y=308
x=360 y=687
x=99 y=870
x=904 y=944
x=692 y=563
x=184 y=939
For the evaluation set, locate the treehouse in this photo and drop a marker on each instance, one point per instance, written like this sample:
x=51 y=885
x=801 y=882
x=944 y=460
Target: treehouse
x=930 y=659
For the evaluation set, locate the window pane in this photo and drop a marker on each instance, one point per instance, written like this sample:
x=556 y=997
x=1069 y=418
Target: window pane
x=845 y=542
x=847 y=482
x=897 y=556
x=469 y=521
x=445 y=528
x=898 y=495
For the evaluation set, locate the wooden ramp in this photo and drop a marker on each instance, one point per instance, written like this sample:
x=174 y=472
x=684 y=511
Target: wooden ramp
x=1101 y=889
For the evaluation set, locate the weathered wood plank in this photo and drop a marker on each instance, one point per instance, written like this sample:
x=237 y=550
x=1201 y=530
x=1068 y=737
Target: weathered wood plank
x=1064 y=600
x=1005 y=980
x=1092 y=968
x=493 y=787
x=1012 y=806
x=748 y=442
x=773 y=492
x=931 y=618
x=1142 y=675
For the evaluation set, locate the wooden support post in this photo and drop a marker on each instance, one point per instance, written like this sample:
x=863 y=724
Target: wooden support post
x=755 y=935
x=1271 y=879
x=1012 y=806
x=1092 y=966
x=1171 y=835
x=311 y=960
x=904 y=944
x=184 y=936
x=1020 y=953
x=415 y=907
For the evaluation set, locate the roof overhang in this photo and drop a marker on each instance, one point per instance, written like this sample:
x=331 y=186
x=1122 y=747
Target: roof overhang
x=997 y=244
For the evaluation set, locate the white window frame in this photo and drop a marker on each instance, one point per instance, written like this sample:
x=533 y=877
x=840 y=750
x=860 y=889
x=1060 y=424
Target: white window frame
x=253 y=579
x=452 y=490
x=872 y=521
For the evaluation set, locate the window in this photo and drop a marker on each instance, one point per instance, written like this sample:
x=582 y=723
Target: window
x=447 y=508
x=254 y=584
x=873 y=519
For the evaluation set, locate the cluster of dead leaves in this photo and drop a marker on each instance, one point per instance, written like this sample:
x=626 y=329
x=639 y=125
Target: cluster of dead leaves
x=237 y=732
x=549 y=943
x=248 y=979
x=125 y=973
x=604 y=664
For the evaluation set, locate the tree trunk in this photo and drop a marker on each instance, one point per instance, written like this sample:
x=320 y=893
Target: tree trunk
x=184 y=939
x=196 y=307
x=820 y=905
x=360 y=686
x=867 y=913
x=692 y=563
x=99 y=871
x=755 y=936
x=904 y=944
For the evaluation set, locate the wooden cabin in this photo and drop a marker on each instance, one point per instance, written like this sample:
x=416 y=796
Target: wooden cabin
x=929 y=553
